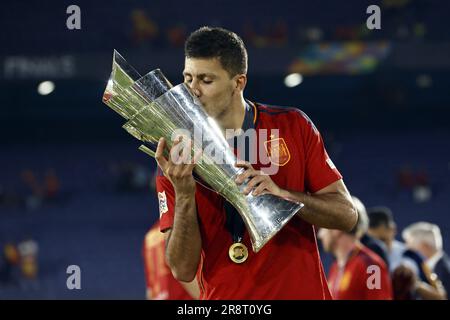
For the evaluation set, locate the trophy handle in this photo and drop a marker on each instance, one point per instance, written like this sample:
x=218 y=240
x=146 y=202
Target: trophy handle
x=120 y=62
x=147 y=150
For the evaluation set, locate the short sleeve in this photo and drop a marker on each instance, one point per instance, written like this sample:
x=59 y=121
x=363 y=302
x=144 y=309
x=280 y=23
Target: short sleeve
x=166 y=201
x=320 y=170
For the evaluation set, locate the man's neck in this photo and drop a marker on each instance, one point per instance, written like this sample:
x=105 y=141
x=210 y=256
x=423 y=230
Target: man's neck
x=376 y=236
x=343 y=251
x=234 y=116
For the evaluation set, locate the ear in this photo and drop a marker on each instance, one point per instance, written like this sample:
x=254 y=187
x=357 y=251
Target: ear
x=241 y=82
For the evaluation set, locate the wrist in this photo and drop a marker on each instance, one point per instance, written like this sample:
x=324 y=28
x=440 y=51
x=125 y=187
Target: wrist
x=185 y=194
x=282 y=193
x=293 y=196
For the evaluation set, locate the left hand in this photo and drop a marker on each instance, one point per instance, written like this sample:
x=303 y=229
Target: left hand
x=259 y=182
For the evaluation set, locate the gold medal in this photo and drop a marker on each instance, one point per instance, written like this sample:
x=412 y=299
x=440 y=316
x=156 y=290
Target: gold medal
x=238 y=252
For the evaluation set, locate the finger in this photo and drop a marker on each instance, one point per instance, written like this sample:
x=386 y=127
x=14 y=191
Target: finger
x=242 y=164
x=261 y=189
x=159 y=154
x=185 y=154
x=253 y=183
x=175 y=151
x=247 y=174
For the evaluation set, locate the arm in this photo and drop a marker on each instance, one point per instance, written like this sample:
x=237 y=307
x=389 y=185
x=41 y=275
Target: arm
x=192 y=288
x=330 y=207
x=428 y=292
x=183 y=240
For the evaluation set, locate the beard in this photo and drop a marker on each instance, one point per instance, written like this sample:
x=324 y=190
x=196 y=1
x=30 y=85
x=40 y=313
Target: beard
x=219 y=108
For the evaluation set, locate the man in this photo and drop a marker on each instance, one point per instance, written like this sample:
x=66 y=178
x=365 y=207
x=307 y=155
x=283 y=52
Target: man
x=201 y=227
x=426 y=239
x=375 y=244
x=357 y=273
x=159 y=281
x=411 y=278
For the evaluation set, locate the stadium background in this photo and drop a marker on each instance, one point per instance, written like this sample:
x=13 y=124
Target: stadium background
x=74 y=182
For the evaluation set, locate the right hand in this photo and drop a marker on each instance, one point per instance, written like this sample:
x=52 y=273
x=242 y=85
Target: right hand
x=178 y=169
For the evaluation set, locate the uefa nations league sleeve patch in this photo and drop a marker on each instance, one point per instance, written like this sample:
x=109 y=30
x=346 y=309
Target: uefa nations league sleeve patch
x=162 y=203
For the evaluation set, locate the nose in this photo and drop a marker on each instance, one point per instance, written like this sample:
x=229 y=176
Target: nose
x=194 y=85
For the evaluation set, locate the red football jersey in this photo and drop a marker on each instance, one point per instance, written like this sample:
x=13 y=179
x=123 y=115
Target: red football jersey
x=357 y=279
x=289 y=265
x=160 y=283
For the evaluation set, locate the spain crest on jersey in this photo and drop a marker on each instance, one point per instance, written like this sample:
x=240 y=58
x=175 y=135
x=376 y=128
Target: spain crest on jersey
x=278 y=151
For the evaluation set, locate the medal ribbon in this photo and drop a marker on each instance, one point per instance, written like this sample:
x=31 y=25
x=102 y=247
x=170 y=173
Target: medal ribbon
x=234 y=223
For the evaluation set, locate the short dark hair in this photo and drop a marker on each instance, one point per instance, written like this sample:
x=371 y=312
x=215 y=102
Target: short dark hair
x=220 y=43
x=380 y=216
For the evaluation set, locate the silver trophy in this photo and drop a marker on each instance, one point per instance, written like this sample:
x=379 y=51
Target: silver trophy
x=154 y=108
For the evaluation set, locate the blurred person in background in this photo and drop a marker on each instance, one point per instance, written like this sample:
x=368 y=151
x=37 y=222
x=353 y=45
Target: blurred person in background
x=28 y=251
x=144 y=28
x=129 y=177
x=160 y=283
x=51 y=185
x=357 y=273
x=411 y=278
x=426 y=238
x=8 y=262
x=371 y=242
x=35 y=193
x=39 y=193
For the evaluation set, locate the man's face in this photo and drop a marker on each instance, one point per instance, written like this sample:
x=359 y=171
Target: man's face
x=211 y=83
x=329 y=239
x=385 y=233
x=414 y=245
x=423 y=248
